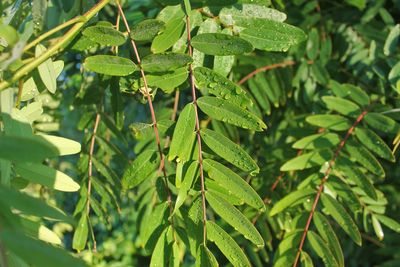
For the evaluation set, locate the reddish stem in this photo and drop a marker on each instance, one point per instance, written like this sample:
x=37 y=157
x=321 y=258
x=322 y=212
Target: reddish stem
x=323 y=181
x=153 y=115
x=203 y=197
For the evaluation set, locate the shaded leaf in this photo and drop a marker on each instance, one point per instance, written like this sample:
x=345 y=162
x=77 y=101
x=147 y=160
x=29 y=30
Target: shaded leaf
x=104 y=35
x=147 y=30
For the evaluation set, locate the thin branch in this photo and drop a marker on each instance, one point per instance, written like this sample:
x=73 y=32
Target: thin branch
x=19 y=95
x=53 y=31
x=153 y=115
x=90 y=171
x=173 y=116
x=323 y=181
x=269 y=67
x=203 y=197
x=56 y=48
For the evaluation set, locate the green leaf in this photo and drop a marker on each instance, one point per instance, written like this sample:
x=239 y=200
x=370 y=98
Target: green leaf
x=49 y=177
x=168 y=81
x=321 y=249
x=23 y=149
x=341 y=217
x=381 y=123
x=9 y=34
x=36 y=230
x=332 y=122
x=235 y=218
x=154 y=226
x=173 y=30
x=328 y=235
x=36 y=252
x=104 y=35
x=392 y=41
x=357 y=176
x=228 y=179
x=205 y=258
x=343 y=106
x=374 y=143
x=81 y=233
x=220 y=44
x=351 y=92
x=228 y=150
x=46 y=70
x=64 y=146
x=389 y=222
x=183 y=135
x=30 y=206
x=243 y=14
x=224 y=64
x=147 y=30
x=271 y=35
x=143 y=166
x=318 y=141
x=161 y=251
x=165 y=62
x=306 y=260
x=227 y=112
x=377 y=227
x=364 y=157
x=190 y=176
x=307 y=160
x=109 y=65
x=226 y=244
x=294 y=198
x=218 y=85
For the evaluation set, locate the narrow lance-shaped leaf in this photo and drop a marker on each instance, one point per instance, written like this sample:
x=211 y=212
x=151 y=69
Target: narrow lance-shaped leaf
x=292 y=198
x=218 y=85
x=46 y=176
x=190 y=176
x=377 y=227
x=226 y=244
x=30 y=205
x=110 y=65
x=341 y=217
x=321 y=249
x=64 y=146
x=307 y=160
x=392 y=224
x=81 y=233
x=235 y=218
x=36 y=252
x=183 y=135
x=220 y=44
x=318 y=141
x=374 y=143
x=329 y=121
x=230 y=113
x=229 y=151
x=161 y=251
x=357 y=176
x=328 y=235
x=143 y=166
x=205 y=258
x=46 y=70
x=228 y=179
x=343 y=106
